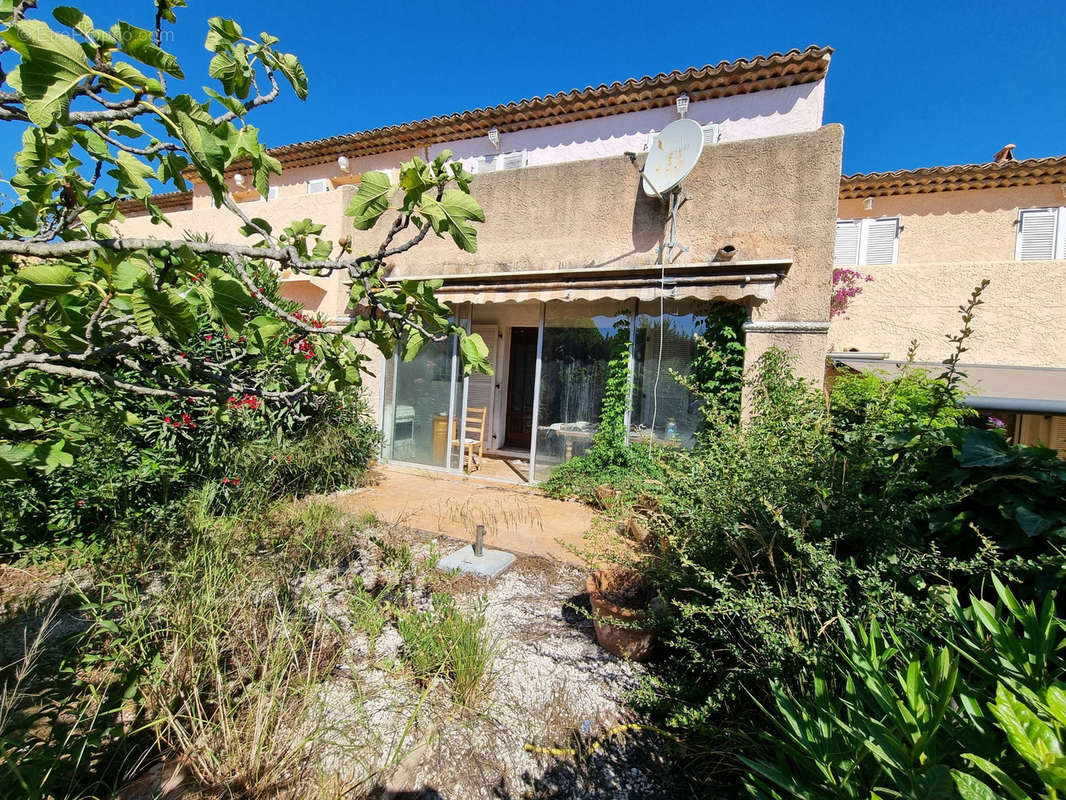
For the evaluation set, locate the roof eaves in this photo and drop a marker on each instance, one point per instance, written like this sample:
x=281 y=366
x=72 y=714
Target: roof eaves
x=727 y=78
x=1026 y=172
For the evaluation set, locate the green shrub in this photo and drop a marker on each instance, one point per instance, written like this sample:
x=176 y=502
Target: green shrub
x=889 y=718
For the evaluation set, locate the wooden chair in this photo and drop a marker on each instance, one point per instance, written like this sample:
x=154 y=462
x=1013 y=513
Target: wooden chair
x=475 y=437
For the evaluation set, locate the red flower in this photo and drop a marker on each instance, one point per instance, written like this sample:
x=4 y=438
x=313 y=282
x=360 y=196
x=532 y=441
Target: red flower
x=225 y=480
x=166 y=420
x=208 y=337
x=80 y=503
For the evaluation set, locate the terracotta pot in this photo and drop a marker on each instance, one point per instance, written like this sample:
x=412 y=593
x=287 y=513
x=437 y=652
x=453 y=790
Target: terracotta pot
x=624 y=642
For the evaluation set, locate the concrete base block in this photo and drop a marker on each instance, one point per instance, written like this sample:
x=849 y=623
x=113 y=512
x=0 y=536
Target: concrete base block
x=488 y=565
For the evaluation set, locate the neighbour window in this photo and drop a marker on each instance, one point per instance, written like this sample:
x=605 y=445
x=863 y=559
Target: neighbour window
x=272 y=193
x=318 y=185
x=1041 y=234
x=866 y=241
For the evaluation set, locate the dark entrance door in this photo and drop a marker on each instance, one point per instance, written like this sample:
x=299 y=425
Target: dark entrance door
x=521 y=374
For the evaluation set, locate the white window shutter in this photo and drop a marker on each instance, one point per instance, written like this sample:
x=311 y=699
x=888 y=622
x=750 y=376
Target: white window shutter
x=846 y=252
x=318 y=185
x=272 y=193
x=484 y=164
x=711 y=133
x=651 y=140
x=1036 y=234
x=1061 y=251
x=879 y=241
x=515 y=160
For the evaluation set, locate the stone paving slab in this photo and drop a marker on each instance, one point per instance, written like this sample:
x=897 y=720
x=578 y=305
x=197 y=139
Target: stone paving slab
x=517 y=518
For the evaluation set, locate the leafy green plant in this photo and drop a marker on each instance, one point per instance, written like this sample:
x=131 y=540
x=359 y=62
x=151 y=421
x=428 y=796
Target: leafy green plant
x=444 y=642
x=883 y=736
x=87 y=311
x=897 y=717
x=1038 y=739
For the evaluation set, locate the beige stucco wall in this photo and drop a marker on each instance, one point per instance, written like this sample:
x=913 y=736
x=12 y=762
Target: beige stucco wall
x=772 y=198
x=327 y=295
x=1019 y=323
x=966 y=226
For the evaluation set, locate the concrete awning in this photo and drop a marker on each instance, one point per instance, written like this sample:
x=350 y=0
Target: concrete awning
x=1034 y=390
x=725 y=281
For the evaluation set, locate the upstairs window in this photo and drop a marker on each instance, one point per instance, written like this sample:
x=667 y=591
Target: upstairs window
x=1041 y=234
x=516 y=159
x=866 y=241
x=712 y=134
x=318 y=185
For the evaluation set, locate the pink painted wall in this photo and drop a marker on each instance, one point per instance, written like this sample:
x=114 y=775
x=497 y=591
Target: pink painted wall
x=774 y=112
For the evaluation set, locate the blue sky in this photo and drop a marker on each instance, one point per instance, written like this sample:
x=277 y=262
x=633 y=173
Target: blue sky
x=913 y=83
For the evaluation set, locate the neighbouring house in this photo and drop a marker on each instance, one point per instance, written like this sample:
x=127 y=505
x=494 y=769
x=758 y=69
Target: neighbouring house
x=927 y=237
x=573 y=251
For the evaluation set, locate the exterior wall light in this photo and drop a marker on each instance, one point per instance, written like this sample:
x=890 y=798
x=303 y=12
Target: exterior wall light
x=239 y=180
x=343 y=164
x=682 y=104
x=494 y=137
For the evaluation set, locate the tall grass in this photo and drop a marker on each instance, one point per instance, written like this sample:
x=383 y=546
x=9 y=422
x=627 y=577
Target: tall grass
x=443 y=642
x=232 y=655
x=64 y=734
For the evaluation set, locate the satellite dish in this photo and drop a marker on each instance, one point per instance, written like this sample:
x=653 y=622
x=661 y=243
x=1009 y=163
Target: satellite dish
x=672 y=155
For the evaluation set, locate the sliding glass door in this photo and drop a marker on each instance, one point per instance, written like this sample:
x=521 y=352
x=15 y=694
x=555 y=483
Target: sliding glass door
x=419 y=403
x=579 y=339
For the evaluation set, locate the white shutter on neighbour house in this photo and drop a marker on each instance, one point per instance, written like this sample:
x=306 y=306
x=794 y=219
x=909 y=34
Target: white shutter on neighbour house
x=1036 y=234
x=879 y=241
x=866 y=241
x=846 y=252
x=711 y=133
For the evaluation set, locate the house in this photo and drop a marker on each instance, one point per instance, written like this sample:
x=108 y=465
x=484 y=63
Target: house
x=926 y=238
x=573 y=251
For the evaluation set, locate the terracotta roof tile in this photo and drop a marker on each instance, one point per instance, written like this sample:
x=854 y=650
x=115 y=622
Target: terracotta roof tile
x=168 y=201
x=993 y=175
x=636 y=94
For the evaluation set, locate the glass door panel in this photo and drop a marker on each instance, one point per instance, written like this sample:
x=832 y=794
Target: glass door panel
x=578 y=340
x=418 y=398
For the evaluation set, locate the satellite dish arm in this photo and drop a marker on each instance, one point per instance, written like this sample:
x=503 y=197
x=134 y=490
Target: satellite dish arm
x=654 y=188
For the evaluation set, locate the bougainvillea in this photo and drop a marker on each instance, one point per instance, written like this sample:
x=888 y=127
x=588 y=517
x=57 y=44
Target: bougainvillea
x=847 y=284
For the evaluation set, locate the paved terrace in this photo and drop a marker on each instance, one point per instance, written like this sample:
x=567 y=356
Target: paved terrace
x=516 y=518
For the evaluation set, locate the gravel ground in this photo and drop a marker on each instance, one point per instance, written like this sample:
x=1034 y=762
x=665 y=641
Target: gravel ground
x=550 y=686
